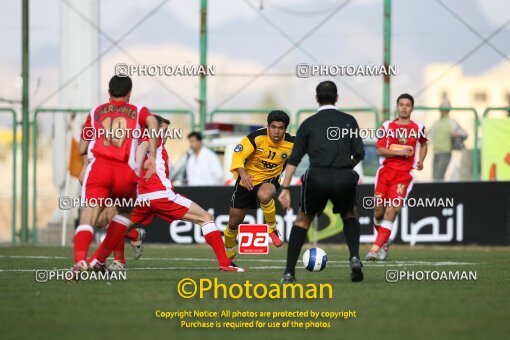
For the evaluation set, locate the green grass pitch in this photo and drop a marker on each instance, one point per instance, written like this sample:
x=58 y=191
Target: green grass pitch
x=126 y=309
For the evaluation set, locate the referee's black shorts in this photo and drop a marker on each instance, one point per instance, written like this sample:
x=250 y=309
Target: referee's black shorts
x=243 y=198
x=322 y=184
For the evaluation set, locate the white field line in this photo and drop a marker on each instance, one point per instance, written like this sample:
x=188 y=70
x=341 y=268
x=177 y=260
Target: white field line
x=191 y=259
x=248 y=268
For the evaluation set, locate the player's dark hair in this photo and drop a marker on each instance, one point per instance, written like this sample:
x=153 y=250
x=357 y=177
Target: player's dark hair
x=195 y=134
x=326 y=93
x=161 y=120
x=278 y=116
x=120 y=86
x=406 y=96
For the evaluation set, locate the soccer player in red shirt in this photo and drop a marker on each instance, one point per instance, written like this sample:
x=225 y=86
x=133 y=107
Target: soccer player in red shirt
x=108 y=140
x=402 y=146
x=170 y=206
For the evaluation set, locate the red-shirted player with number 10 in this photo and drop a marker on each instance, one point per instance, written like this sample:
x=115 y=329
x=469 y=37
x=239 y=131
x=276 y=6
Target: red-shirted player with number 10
x=402 y=146
x=110 y=171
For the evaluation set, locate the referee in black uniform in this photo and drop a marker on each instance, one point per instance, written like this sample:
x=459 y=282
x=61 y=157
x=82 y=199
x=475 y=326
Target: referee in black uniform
x=331 y=140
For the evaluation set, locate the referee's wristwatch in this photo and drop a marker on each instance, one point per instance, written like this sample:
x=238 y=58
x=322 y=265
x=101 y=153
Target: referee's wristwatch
x=285 y=187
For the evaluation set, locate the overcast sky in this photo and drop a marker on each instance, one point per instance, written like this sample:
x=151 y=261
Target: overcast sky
x=241 y=41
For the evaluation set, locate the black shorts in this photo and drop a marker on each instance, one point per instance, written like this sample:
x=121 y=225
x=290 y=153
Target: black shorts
x=247 y=199
x=322 y=184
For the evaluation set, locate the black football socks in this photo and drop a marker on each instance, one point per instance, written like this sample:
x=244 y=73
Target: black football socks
x=352 y=234
x=296 y=241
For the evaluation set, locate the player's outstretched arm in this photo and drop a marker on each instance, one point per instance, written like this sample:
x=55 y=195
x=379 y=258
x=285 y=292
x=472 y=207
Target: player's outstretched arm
x=357 y=148
x=246 y=180
x=284 y=197
x=421 y=156
x=83 y=168
x=385 y=152
x=83 y=147
x=141 y=152
x=150 y=164
x=241 y=153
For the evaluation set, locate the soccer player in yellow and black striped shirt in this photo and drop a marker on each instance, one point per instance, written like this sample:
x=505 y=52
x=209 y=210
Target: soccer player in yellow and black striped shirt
x=257 y=164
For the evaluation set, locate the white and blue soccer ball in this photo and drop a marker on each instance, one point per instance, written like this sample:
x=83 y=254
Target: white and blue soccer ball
x=315 y=259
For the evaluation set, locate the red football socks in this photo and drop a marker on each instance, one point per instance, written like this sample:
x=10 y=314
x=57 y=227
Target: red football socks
x=132 y=235
x=213 y=238
x=118 y=252
x=82 y=239
x=115 y=234
x=383 y=234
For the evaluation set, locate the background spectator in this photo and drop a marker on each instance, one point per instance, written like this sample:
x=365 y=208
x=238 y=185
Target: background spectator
x=446 y=135
x=202 y=165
